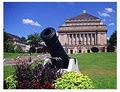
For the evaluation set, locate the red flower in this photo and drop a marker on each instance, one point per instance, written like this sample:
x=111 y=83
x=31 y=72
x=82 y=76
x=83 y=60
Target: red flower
x=36 y=85
x=47 y=85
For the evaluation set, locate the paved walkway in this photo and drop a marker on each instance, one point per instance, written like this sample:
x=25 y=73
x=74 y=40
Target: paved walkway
x=23 y=59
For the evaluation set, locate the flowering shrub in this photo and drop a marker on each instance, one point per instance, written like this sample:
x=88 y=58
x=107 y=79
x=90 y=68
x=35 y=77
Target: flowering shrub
x=10 y=82
x=73 y=80
x=37 y=77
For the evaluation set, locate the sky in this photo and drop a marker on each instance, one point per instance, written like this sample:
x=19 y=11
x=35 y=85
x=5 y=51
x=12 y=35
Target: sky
x=25 y=18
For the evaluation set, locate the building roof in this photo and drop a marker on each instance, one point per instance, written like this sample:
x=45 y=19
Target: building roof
x=83 y=22
x=16 y=39
x=11 y=36
x=84 y=16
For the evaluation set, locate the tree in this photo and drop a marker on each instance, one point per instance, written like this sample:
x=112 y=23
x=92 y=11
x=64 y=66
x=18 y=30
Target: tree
x=32 y=49
x=10 y=47
x=113 y=39
x=23 y=39
x=108 y=43
x=6 y=37
x=6 y=41
x=34 y=39
x=18 y=49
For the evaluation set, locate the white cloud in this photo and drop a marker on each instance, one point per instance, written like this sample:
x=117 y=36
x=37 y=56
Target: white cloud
x=103 y=14
x=106 y=12
x=31 y=22
x=104 y=20
x=109 y=10
x=111 y=24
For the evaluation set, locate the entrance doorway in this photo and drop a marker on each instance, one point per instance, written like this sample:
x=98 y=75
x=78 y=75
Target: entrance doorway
x=71 y=51
x=79 y=51
x=88 y=51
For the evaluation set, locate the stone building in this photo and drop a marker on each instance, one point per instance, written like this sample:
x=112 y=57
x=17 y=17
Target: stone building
x=80 y=33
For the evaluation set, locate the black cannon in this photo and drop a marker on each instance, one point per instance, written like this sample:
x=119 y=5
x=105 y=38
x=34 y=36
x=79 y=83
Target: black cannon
x=54 y=46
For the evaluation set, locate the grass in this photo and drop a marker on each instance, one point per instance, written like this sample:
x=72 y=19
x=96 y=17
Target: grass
x=14 y=55
x=100 y=67
x=8 y=70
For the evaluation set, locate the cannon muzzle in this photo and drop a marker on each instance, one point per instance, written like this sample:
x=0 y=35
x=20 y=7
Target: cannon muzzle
x=55 y=48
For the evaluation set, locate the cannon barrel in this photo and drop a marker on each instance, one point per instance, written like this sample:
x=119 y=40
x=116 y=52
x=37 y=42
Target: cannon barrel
x=50 y=38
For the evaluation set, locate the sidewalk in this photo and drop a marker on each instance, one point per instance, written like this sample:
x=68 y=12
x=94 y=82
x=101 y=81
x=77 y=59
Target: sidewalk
x=8 y=61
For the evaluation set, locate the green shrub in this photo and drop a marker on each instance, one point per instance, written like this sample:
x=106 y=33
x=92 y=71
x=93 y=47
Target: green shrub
x=10 y=48
x=11 y=82
x=94 y=49
x=110 y=48
x=73 y=80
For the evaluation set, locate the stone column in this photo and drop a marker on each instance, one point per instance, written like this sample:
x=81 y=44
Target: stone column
x=83 y=39
x=87 y=39
x=91 y=40
x=68 y=38
x=79 y=42
x=74 y=39
x=71 y=39
x=77 y=39
x=95 y=39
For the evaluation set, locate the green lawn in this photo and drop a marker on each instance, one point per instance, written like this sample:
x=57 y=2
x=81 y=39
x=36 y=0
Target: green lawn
x=100 y=67
x=8 y=70
x=14 y=55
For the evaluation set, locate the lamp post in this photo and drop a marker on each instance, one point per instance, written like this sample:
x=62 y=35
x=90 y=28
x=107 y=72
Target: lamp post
x=30 y=51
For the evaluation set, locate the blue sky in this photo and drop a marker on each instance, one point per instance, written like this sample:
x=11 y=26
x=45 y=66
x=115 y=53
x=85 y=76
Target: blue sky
x=23 y=19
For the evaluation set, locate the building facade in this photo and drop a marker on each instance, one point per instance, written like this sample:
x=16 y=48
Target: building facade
x=16 y=41
x=80 y=33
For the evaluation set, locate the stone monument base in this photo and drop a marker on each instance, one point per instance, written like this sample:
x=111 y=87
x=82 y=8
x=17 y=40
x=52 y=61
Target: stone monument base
x=73 y=66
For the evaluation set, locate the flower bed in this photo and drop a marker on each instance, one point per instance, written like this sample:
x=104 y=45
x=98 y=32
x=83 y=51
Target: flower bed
x=27 y=76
